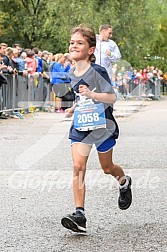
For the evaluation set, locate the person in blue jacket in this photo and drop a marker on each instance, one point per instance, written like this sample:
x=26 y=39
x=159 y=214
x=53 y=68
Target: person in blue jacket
x=59 y=76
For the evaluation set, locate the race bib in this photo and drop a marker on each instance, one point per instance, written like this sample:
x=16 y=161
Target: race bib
x=89 y=117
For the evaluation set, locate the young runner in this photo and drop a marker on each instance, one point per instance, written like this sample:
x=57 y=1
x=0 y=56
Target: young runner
x=93 y=124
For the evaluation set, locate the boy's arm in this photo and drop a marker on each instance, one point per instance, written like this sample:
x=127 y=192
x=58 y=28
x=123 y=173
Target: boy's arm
x=101 y=97
x=69 y=112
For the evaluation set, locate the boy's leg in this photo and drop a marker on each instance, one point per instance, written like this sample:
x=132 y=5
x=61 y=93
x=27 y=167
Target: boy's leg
x=77 y=221
x=80 y=153
x=109 y=167
x=125 y=197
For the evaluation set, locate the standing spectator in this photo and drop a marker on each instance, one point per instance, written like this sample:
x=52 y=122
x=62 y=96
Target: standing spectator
x=40 y=54
x=53 y=60
x=45 y=65
x=122 y=70
x=144 y=75
x=114 y=68
x=22 y=63
x=164 y=82
x=3 y=47
x=2 y=65
x=7 y=60
x=114 y=84
x=130 y=72
x=45 y=73
x=106 y=50
x=19 y=63
x=120 y=83
x=3 y=81
x=38 y=58
x=139 y=76
x=50 y=57
x=150 y=85
x=18 y=47
x=59 y=77
x=33 y=75
x=126 y=80
x=31 y=62
x=144 y=80
x=68 y=99
x=68 y=60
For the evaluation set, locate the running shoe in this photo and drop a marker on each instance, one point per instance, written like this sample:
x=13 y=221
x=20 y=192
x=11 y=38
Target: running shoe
x=75 y=222
x=125 y=197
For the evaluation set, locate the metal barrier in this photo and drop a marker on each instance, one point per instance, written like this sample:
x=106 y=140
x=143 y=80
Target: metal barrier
x=141 y=90
x=23 y=92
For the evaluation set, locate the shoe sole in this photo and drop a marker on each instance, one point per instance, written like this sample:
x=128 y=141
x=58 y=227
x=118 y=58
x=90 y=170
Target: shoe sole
x=72 y=225
x=127 y=206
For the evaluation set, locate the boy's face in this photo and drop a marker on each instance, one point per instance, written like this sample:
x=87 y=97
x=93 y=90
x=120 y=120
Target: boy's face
x=79 y=48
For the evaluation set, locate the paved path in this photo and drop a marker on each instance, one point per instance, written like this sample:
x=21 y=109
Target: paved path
x=35 y=183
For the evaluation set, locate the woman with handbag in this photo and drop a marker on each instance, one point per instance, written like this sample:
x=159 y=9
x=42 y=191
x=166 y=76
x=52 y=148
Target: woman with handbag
x=59 y=80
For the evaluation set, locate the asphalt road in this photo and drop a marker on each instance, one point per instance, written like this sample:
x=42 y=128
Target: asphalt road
x=36 y=184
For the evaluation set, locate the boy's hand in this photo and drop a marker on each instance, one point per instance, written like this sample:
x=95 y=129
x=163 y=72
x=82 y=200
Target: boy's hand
x=84 y=90
x=69 y=112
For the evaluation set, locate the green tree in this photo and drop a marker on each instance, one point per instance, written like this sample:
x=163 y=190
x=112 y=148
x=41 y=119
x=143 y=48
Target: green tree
x=159 y=48
x=139 y=27
x=23 y=21
x=65 y=15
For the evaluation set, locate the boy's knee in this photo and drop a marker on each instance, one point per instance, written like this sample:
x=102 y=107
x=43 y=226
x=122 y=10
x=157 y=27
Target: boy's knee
x=78 y=169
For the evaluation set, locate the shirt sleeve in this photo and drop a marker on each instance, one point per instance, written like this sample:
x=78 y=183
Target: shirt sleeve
x=115 y=52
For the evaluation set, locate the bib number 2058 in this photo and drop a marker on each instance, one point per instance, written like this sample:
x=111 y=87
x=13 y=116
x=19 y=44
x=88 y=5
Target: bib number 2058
x=90 y=117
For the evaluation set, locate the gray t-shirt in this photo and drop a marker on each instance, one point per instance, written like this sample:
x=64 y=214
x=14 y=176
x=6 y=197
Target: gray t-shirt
x=97 y=79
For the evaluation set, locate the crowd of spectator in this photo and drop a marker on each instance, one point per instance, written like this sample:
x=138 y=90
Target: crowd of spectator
x=34 y=62
x=24 y=61
x=126 y=80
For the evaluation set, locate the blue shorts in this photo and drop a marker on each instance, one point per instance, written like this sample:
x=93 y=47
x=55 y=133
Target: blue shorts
x=101 y=147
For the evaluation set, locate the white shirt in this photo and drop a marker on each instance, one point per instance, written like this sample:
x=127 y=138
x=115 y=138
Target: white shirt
x=102 y=58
